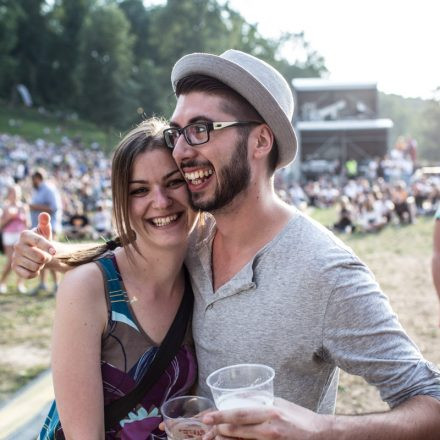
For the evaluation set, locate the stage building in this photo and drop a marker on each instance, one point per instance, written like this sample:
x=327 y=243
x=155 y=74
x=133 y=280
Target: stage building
x=336 y=122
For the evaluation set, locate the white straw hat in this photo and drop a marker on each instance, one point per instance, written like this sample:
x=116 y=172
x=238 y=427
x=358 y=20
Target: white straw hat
x=258 y=82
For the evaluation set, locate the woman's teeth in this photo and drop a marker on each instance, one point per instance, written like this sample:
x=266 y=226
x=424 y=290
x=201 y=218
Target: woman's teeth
x=163 y=221
x=196 y=177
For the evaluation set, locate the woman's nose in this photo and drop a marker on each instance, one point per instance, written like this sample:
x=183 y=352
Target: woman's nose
x=161 y=198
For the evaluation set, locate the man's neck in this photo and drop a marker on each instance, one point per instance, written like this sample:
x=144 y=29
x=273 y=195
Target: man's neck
x=250 y=222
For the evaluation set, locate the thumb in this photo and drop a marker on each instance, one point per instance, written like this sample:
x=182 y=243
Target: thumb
x=44 y=228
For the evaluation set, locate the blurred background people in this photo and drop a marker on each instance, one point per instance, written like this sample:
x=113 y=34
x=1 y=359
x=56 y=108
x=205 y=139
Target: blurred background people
x=14 y=219
x=45 y=198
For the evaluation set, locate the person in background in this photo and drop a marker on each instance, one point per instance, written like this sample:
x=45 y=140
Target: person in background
x=13 y=220
x=102 y=221
x=114 y=308
x=346 y=216
x=45 y=198
x=435 y=265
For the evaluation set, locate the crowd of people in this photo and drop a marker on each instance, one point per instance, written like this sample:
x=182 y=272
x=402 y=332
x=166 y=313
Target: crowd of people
x=65 y=180
x=390 y=190
x=368 y=201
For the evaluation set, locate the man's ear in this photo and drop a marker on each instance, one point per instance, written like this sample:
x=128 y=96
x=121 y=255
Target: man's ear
x=262 y=141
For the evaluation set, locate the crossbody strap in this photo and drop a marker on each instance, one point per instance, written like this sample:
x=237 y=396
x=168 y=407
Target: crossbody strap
x=118 y=409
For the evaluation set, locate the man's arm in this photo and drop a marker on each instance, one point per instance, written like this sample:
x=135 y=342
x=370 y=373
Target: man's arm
x=416 y=418
x=435 y=266
x=41 y=207
x=36 y=250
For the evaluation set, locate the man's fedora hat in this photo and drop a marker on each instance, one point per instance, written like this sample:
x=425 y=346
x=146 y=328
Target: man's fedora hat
x=258 y=82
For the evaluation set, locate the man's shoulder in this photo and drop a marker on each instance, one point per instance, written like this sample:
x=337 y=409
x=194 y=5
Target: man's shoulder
x=307 y=241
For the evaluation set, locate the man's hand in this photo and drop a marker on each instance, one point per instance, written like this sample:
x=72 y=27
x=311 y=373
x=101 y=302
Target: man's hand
x=34 y=249
x=284 y=420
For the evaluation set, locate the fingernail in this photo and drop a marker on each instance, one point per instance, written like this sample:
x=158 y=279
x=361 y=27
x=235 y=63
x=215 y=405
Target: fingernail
x=52 y=251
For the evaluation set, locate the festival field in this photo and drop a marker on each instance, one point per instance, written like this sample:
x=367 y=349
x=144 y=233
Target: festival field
x=399 y=257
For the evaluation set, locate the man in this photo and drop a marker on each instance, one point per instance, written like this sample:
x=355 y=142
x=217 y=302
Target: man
x=272 y=286
x=435 y=267
x=45 y=198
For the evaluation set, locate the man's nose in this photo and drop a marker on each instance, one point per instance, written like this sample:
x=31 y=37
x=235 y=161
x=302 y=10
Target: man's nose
x=183 y=150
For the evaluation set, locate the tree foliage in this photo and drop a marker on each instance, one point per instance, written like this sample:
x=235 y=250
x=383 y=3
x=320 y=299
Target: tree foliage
x=415 y=118
x=110 y=60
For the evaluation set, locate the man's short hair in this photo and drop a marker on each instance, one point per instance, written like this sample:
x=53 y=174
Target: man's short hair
x=233 y=103
x=40 y=173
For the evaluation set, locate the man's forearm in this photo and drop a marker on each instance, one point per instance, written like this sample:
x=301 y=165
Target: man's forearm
x=39 y=207
x=417 y=418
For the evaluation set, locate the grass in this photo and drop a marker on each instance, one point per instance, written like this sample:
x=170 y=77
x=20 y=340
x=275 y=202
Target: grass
x=398 y=256
x=32 y=124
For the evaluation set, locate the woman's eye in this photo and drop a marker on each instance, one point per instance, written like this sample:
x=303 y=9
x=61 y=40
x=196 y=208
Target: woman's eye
x=176 y=183
x=138 y=191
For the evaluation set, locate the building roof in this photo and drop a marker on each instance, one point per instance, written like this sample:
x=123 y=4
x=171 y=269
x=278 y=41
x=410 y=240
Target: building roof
x=345 y=124
x=321 y=84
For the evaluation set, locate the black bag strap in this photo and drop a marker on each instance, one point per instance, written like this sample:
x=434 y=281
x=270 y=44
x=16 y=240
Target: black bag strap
x=115 y=411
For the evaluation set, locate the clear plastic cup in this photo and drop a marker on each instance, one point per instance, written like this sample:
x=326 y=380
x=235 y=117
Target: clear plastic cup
x=183 y=415
x=242 y=386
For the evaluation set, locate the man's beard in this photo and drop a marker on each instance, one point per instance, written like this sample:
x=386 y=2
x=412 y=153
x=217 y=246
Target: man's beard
x=234 y=178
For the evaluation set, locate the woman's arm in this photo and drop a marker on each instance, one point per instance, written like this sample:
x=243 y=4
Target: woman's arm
x=80 y=319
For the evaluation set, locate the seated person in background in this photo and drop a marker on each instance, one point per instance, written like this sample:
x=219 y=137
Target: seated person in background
x=345 y=221
x=401 y=202
x=370 y=218
x=78 y=227
x=102 y=221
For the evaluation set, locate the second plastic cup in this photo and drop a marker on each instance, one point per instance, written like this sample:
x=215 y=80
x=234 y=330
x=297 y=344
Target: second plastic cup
x=183 y=415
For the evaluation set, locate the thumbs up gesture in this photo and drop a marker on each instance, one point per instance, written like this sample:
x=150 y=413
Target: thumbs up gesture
x=34 y=249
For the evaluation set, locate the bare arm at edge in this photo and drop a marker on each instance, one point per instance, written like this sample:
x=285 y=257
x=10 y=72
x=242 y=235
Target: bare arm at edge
x=435 y=265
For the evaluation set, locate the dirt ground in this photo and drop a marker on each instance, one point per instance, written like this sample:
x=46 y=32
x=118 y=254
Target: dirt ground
x=399 y=258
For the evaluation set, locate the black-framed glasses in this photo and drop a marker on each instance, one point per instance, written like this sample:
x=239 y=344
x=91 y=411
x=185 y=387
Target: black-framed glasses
x=197 y=133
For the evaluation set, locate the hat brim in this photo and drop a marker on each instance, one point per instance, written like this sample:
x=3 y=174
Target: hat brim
x=251 y=89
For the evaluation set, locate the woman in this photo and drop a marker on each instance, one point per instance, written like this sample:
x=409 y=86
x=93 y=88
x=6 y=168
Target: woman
x=14 y=219
x=106 y=334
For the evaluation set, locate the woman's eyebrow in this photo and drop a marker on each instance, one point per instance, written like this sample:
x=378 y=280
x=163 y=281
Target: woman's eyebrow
x=164 y=177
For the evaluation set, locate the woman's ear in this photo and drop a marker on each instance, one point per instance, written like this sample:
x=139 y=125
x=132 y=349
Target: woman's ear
x=262 y=141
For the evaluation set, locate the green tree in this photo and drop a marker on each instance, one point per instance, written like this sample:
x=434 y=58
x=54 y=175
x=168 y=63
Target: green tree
x=145 y=70
x=10 y=13
x=29 y=48
x=65 y=22
x=105 y=73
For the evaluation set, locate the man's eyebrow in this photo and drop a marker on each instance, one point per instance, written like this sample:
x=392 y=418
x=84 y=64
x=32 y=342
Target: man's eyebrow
x=198 y=118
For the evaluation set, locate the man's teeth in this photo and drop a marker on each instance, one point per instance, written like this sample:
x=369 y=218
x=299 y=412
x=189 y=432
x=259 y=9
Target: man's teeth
x=163 y=221
x=196 y=176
